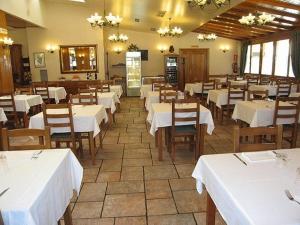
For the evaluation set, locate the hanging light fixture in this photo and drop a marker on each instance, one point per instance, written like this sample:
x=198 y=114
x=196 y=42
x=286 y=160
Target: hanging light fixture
x=118 y=38
x=169 y=31
x=256 y=19
x=203 y=3
x=207 y=37
x=104 y=21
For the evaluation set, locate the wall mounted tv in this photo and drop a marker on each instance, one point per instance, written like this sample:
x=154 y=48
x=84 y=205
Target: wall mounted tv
x=144 y=55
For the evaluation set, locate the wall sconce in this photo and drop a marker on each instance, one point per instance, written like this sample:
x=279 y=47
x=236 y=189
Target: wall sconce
x=6 y=42
x=118 y=50
x=81 y=55
x=224 y=48
x=162 y=49
x=51 y=48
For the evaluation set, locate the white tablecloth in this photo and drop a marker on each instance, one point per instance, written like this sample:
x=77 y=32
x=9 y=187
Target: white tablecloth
x=39 y=189
x=153 y=97
x=58 y=93
x=85 y=118
x=160 y=115
x=238 y=82
x=108 y=100
x=272 y=89
x=252 y=194
x=2 y=116
x=193 y=88
x=295 y=94
x=117 y=89
x=145 y=89
x=24 y=102
x=219 y=97
x=258 y=113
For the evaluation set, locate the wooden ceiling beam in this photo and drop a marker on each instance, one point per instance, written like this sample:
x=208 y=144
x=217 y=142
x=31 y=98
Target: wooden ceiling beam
x=224 y=35
x=276 y=3
x=237 y=34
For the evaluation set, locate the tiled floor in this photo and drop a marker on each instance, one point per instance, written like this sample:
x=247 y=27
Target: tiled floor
x=129 y=186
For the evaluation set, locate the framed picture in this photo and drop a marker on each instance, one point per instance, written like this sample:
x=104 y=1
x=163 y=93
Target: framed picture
x=39 y=59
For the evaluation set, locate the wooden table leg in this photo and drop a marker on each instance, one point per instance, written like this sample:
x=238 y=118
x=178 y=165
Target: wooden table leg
x=92 y=146
x=159 y=140
x=68 y=216
x=210 y=211
x=25 y=120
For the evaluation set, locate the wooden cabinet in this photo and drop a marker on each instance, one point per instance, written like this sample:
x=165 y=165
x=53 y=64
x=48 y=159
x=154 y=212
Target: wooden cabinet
x=171 y=68
x=195 y=65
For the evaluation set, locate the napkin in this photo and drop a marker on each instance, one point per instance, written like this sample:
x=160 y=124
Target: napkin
x=259 y=156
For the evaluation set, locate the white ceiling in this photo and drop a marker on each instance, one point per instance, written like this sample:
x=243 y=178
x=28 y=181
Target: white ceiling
x=146 y=10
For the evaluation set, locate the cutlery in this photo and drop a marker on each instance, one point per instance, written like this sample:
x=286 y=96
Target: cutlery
x=36 y=155
x=280 y=156
x=290 y=196
x=3 y=192
x=240 y=159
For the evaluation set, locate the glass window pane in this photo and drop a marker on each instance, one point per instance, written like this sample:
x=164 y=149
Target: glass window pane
x=267 y=60
x=291 y=72
x=282 y=54
x=247 y=68
x=255 y=58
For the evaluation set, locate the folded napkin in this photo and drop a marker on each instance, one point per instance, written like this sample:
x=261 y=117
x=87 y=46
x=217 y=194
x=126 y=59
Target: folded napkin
x=259 y=156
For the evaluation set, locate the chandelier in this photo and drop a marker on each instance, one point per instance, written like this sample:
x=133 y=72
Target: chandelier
x=169 y=31
x=256 y=19
x=118 y=38
x=104 y=21
x=207 y=37
x=203 y=3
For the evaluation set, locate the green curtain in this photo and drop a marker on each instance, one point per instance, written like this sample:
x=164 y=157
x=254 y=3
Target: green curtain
x=244 y=50
x=295 y=53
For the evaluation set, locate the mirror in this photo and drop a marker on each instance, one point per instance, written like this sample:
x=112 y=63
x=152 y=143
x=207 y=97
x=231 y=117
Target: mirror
x=78 y=58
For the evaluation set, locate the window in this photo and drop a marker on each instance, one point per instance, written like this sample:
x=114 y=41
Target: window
x=255 y=56
x=247 y=67
x=267 y=58
x=282 y=56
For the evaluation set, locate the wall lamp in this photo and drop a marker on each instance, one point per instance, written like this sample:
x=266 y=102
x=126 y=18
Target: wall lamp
x=162 y=48
x=118 y=50
x=224 y=48
x=51 y=48
x=6 y=42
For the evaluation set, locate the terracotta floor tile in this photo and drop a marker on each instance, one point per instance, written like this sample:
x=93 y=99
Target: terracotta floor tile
x=183 y=184
x=125 y=187
x=92 y=192
x=131 y=221
x=87 y=163
x=157 y=189
x=111 y=140
x=132 y=173
x=190 y=201
x=128 y=140
x=104 y=221
x=90 y=174
x=185 y=170
x=137 y=162
x=111 y=165
x=177 y=219
x=137 y=154
x=160 y=172
x=137 y=146
x=161 y=206
x=124 y=205
x=108 y=176
x=109 y=155
x=87 y=210
x=201 y=219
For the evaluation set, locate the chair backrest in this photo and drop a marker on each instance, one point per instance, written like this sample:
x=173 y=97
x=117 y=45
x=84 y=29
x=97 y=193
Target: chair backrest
x=105 y=86
x=257 y=138
x=252 y=81
x=166 y=94
x=43 y=139
x=157 y=84
x=7 y=102
x=24 y=91
x=52 y=84
x=230 y=78
x=42 y=90
x=264 y=80
x=92 y=90
x=283 y=88
x=257 y=95
x=82 y=99
x=286 y=108
x=59 y=116
x=181 y=107
x=235 y=93
x=206 y=86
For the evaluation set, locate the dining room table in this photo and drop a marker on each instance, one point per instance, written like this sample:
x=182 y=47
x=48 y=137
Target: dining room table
x=36 y=186
x=259 y=113
x=219 y=97
x=271 y=88
x=24 y=103
x=117 y=89
x=86 y=119
x=153 y=97
x=160 y=117
x=252 y=188
x=145 y=88
x=57 y=93
x=238 y=82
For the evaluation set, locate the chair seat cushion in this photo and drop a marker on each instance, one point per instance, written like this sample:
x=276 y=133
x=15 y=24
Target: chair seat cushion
x=185 y=129
x=61 y=136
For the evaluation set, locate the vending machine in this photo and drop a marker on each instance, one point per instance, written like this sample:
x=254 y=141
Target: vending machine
x=133 y=73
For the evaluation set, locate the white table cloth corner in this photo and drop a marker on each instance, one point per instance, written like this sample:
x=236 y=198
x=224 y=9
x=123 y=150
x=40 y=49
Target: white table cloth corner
x=3 y=117
x=57 y=93
x=117 y=89
x=145 y=88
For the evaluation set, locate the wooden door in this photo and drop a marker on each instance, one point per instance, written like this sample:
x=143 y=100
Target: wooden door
x=16 y=63
x=195 y=65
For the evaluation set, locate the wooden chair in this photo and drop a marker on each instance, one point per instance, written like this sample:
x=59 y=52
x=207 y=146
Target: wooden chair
x=7 y=102
x=105 y=86
x=257 y=95
x=206 y=87
x=82 y=99
x=92 y=90
x=252 y=81
x=60 y=116
x=283 y=88
x=230 y=78
x=24 y=90
x=264 y=80
x=43 y=136
x=43 y=91
x=157 y=84
x=257 y=139
x=166 y=94
x=288 y=112
x=235 y=93
x=185 y=132
x=52 y=84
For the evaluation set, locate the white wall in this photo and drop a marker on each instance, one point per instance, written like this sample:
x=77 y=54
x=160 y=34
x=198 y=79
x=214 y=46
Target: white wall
x=219 y=62
x=19 y=36
x=65 y=25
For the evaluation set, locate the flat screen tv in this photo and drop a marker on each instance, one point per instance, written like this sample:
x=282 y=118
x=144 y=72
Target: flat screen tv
x=144 y=55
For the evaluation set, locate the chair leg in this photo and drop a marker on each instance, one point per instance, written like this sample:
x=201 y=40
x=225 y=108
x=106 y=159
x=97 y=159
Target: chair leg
x=173 y=153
